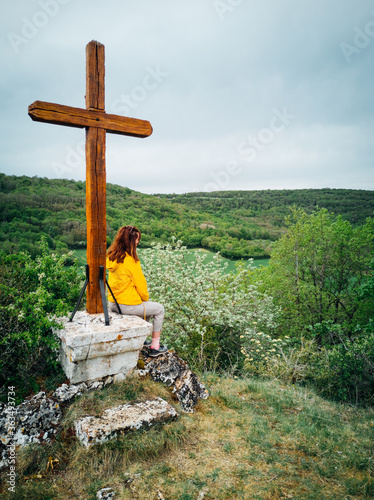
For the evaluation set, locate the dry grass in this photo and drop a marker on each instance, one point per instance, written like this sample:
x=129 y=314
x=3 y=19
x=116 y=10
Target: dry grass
x=250 y=439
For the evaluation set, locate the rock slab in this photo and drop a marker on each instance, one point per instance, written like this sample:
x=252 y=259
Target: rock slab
x=91 y=350
x=105 y=494
x=122 y=419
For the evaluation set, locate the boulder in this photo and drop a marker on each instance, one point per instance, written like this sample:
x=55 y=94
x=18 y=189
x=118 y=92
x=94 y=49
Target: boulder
x=37 y=419
x=175 y=373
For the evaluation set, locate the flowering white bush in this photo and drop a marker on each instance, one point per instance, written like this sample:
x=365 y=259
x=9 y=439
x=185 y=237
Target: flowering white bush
x=201 y=298
x=260 y=350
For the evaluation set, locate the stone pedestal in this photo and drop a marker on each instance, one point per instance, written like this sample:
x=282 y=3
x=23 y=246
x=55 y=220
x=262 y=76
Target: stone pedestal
x=90 y=349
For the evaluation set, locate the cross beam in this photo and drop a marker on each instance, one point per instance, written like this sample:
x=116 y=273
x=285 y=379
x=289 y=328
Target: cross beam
x=80 y=118
x=96 y=122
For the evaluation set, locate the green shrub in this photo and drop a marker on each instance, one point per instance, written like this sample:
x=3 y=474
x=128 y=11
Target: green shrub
x=33 y=293
x=222 y=349
x=288 y=360
x=341 y=369
x=345 y=372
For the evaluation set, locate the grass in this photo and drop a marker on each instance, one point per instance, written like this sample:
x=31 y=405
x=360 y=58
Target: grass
x=251 y=439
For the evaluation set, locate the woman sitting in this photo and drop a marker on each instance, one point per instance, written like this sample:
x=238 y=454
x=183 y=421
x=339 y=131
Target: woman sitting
x=128 y=284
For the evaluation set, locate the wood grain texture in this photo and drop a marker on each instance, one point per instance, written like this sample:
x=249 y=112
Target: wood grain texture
x=95 y=173
x=95 y=76
x=95 y=213
x=59 y=114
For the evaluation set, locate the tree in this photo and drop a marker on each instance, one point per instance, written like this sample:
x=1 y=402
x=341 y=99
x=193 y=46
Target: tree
x=318 y=269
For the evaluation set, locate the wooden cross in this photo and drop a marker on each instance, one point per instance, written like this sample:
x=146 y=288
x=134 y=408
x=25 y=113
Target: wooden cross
x=97 y=123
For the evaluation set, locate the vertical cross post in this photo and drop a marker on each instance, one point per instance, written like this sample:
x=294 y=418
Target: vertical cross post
x=95 y=175
x=97 y=123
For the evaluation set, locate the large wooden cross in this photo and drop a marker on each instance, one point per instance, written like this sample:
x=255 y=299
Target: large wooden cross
x=97 y=123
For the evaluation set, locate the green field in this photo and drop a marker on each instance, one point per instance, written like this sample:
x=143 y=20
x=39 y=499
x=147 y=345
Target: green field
x=81 y=255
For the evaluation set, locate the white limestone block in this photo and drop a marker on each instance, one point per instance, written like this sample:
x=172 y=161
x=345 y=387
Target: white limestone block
x=90 y=349
x=99 y=349
x=88 y=329
x=122 y=419
x=90 y=369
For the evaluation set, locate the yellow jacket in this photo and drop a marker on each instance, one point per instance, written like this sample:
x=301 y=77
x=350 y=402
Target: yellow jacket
x=127 y=281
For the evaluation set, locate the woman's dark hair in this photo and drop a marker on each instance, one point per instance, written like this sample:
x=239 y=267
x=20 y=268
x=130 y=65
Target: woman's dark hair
x=124 y=242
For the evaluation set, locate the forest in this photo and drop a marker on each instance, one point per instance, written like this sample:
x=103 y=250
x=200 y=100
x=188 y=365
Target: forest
x=238 y=224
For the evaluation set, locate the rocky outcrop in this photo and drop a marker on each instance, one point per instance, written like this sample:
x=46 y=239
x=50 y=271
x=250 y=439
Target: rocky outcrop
x=66 y=393
x=175 y=373
x=37 y=420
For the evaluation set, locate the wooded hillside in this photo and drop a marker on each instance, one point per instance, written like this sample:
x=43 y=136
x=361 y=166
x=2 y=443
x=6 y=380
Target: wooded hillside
x=239 y=224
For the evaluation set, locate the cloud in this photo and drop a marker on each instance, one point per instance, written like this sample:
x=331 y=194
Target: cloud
x=208 y=75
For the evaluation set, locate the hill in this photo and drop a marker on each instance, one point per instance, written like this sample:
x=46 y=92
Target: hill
x=353 y=204
x=239 y=224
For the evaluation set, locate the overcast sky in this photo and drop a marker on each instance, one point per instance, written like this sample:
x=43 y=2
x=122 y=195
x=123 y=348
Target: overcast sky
x=241 y=94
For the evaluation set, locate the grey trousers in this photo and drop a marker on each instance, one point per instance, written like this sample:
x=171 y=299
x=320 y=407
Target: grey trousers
x=152 y=310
